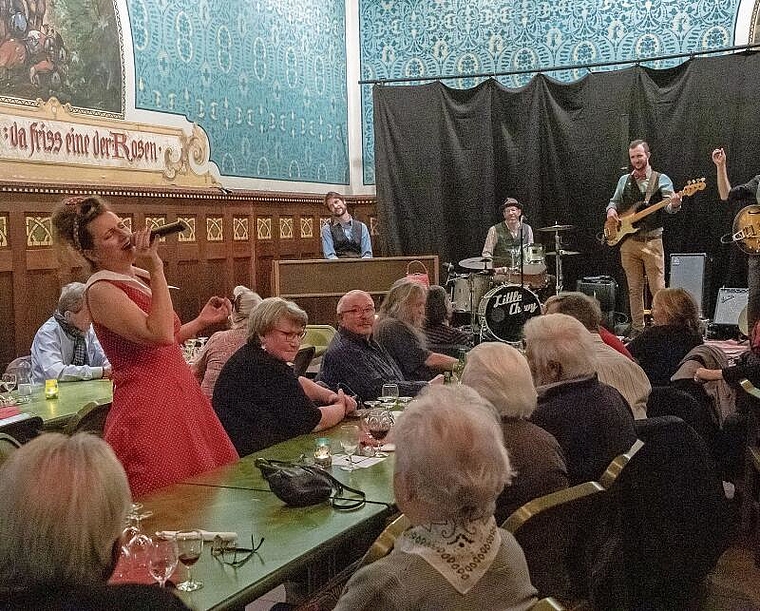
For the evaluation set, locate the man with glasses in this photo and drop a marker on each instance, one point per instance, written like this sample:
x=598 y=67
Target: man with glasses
x=355 y=361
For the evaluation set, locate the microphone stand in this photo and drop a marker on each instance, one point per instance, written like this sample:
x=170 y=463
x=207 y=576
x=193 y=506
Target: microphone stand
x=522 y=269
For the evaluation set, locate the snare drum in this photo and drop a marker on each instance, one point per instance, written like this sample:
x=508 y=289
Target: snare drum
x=468 y=291
x=503 y=311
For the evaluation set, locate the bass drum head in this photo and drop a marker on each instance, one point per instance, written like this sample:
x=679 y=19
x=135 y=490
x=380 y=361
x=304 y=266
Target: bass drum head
x=503 y=311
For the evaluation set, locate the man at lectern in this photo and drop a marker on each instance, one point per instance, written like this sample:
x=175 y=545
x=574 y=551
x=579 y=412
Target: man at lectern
x=344 y=236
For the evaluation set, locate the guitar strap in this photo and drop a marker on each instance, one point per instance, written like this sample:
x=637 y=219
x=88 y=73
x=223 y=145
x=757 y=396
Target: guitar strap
x=654 y=184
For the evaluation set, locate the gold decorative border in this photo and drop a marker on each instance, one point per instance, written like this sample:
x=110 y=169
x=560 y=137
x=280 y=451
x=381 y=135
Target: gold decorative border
x=307 y=227
x=3 y=231
x=214 y=229
x=189 y=234
x=286 y=227
x=240 y=228
x=264 y=227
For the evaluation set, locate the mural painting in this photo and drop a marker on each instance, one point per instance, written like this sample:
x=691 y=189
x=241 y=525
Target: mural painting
x=68 y=49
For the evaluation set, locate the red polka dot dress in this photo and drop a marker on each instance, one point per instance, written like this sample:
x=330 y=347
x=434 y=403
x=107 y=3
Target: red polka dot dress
x=161 y=425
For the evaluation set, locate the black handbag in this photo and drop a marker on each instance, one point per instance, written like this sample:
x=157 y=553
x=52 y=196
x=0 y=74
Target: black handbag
x=300 y=485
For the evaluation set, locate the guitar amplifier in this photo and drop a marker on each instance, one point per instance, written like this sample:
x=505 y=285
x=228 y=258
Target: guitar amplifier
x=603 y=288
x=689 y=271
x=729 y=306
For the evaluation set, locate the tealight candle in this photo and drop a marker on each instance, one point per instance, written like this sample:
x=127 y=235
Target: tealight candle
x=51 y=389
x=322 y=455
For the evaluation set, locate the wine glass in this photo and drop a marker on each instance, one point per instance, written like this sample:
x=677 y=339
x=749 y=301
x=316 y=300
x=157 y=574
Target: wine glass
x=163 y=557
x=189 y=546
x=136 y=543
x=390 y=392
x=379 y=423
x=349 y=441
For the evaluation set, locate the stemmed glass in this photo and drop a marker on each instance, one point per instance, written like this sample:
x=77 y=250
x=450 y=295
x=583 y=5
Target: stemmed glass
x=162 y=559
x=349 y=441
x=190 y=546
x=8 y=383
x=379 y=423
x=390 y=393
x=136 y=543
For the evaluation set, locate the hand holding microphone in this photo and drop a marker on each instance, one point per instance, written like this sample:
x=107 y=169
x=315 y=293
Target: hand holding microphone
x=164 y=230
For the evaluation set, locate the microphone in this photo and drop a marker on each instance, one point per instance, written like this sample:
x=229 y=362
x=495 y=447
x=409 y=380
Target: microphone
x=164 y=230
x=167 y=229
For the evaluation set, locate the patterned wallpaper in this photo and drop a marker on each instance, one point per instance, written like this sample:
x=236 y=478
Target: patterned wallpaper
x=266 y=79
x=407 y=38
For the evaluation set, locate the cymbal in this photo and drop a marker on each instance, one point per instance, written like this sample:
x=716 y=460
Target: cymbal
x=482 y=263
x=564 y=253
x=556 y=227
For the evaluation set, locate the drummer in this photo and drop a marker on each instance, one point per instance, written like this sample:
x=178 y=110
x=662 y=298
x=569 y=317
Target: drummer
x=504 y=237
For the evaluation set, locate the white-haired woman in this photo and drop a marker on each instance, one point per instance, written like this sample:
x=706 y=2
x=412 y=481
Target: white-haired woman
x=450 y=466
x=500 y=374
x=63 y=502
x=399 y=331
x=223 y=344
x=258 y=398
x=592 y=422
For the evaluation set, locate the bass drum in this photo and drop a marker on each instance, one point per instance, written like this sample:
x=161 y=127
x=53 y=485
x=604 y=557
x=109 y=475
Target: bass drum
x=503 y=311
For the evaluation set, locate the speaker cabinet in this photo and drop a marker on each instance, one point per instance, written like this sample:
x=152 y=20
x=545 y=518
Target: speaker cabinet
x=689 y=271
x=603 y=288
x=729 y=306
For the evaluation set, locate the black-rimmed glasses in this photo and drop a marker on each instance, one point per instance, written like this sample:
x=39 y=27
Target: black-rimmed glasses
x=360 y=311
x=228 y=553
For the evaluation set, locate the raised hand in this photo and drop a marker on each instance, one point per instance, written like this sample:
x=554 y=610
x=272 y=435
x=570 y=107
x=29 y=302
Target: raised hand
x=216 y=310
x=719 y=157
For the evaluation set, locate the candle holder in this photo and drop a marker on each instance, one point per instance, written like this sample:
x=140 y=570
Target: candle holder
x=322 y=453
x=51 y=389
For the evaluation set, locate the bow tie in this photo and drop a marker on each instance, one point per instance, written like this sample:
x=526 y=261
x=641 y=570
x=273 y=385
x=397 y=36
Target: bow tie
x=639 y=175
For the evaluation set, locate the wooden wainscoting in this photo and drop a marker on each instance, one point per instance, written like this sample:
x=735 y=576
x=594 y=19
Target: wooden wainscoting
x=233 y=239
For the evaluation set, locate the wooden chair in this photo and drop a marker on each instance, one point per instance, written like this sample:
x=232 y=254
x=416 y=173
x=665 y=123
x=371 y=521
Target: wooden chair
x=23 y=430
x=555 y=532
x=91 y=418
x=385 y=541
x=618 y=464
x=8 y=445
x=303 y=359
x=320 y=337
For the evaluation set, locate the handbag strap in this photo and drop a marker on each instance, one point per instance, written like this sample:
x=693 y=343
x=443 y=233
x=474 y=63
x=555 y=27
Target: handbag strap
x=418 y=262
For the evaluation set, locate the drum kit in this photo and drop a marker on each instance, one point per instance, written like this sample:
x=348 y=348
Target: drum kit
x=499 y=295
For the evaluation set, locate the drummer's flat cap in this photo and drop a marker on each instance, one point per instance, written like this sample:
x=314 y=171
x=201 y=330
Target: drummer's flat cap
x=510 y=201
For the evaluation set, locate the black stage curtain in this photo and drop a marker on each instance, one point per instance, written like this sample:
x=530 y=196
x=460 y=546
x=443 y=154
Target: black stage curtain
x=446 y=158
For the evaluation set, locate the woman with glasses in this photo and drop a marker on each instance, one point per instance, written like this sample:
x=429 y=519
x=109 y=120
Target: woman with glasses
x=223 y=344
x=258 y=398
x=161 y=425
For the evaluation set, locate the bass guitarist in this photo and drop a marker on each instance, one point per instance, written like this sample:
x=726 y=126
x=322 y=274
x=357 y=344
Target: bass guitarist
x=642 y=252
x=742 y=195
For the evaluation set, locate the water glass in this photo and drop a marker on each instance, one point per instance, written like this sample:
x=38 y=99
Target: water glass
x=163 y=557
x=390 y=392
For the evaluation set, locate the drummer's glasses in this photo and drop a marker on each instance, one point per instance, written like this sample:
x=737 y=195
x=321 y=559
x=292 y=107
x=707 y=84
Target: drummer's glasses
x=228 y=553
x=360 y=311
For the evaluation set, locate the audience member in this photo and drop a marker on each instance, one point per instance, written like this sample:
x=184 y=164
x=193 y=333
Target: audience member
x=611 y=366
x=65 y=347
x=439 y=334
x=591 y=421
x=399 y=331
x=258 y=397
x=223 y=344
x=160 y=425
x=659 y=349
x=355 y=360
x=63 y=503
x=450 y=466
x=501 y=375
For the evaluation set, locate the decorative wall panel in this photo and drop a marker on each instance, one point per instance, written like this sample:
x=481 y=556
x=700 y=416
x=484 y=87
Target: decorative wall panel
x=189 y=234
x=38 y=231
x=240 y=228
x=266 y=80
x=410 y=38
x=307 y=227
x=286 y=227
x=214 y=229
x=3 y=231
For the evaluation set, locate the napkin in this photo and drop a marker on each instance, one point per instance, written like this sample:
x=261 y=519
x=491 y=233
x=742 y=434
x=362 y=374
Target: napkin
x=360 y=462
x=208 y=535
x=7 y=412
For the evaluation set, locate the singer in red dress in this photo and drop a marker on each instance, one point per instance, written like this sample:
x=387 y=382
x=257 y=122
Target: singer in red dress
x=161 y=426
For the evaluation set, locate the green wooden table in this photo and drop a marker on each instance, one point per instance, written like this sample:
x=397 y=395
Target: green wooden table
x=72 y=396
x=295 y=538
x=375 y=481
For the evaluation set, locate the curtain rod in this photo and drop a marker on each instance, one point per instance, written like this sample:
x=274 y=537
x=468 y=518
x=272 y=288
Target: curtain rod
x=635 y=62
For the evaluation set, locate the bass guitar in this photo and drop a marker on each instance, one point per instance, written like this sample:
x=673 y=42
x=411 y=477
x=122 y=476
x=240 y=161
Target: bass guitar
x=617 y=229
x=746 y=229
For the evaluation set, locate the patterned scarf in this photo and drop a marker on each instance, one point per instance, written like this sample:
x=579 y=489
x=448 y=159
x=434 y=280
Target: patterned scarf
x=462 y=553
x=75 y=335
